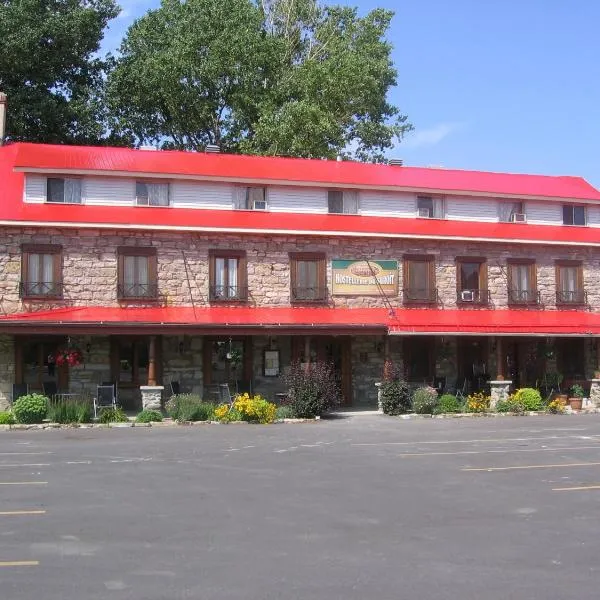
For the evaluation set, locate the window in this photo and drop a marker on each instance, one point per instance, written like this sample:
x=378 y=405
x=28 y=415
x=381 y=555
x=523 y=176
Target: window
x=251 y=198
x=419 y=279
x=569 y=283
x=308 y=275
x=151 y=194
x=522 y=284
x=41 y=271
x=60 y=189
x=573 y=214
x=339 y=202
x=471 y=280
x=511 y=212
x=430 y=208
x=227 y=275
x=137 y=273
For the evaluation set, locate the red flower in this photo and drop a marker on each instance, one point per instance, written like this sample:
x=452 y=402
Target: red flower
x=69 y=356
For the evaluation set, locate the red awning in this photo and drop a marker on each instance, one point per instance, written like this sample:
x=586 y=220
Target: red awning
x=254 y=320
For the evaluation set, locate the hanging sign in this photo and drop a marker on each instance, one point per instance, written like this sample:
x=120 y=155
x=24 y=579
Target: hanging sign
x=364 y=277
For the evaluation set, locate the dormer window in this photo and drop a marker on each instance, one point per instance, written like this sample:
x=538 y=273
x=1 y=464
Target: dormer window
x=251 y=198
x=573 y=214
x=63 y=190
x=430 y=208
x=342 y=203
x=151 y=193
x=511 y=212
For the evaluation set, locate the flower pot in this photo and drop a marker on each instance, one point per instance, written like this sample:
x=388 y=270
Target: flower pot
x=575 y=403
x=563 y=398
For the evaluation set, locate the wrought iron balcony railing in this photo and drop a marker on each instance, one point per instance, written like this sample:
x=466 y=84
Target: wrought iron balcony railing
x=470 y=296
x=420 y=295
x=225 y=293
x=309 y=294
x=571 y=297
x=137 y=291
x=524 y=297
x=41 y=289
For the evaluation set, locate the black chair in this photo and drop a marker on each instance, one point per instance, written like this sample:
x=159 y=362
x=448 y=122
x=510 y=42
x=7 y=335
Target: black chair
x=18 y=390
x=105 y=383
x=175 y=388
x=105 y=398
x=50 y=389
x=439 y=383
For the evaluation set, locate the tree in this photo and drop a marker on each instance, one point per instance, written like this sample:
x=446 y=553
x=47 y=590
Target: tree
x=50 y=71
x=272 y=77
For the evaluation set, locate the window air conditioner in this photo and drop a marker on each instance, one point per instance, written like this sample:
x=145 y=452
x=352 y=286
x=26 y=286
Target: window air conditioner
x=259 y=205
x=518 y=218
x=424 y=212
x=467 y=296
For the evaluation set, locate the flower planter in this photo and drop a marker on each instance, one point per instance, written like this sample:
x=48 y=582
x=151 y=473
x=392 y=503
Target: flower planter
x=575 y=403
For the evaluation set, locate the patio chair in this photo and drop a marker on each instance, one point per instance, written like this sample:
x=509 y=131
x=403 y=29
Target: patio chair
x=439 y=384
x=225 y=394
x=175 y=388
x=461 y=392
x=114 y=385
x=105 y=398
x=18 y=390
x=50 y=389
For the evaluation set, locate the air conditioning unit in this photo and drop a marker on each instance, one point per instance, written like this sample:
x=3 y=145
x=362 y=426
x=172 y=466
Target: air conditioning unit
x=467 y=296
x=518 y=218
x=424 y=212
x=259 y=205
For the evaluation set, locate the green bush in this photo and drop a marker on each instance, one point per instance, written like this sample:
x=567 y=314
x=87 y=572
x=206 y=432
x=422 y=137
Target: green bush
x=510 y=405
x=424 y=400
x=448 y=403
x=31 y=408
x=149 y=416
x=285 y=412
x=395 y=397
x=7 y=418
x=70 y=411
x=530 y=398
x=189 y=407
x=113 y=415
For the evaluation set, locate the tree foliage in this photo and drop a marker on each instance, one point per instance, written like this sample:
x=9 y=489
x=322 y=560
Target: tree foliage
x=287 y=77
x=49 y=68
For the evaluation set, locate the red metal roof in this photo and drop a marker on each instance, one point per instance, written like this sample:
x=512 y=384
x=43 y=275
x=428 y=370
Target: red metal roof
x=402 y=321
x=324 y=172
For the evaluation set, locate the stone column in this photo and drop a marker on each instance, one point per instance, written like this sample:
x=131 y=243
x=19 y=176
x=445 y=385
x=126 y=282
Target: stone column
x=379 y=405
x=499 y=391
x=151 y=397
x=595 y=393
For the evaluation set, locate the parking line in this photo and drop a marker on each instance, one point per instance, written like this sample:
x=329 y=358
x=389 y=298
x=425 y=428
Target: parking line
x=521 y=467
x=480 y=440
x=19 y=563
x=23 y=483
x=577 y=489
x=23 y=453
x=10 y=513
x=4 y=466
x=516 y=450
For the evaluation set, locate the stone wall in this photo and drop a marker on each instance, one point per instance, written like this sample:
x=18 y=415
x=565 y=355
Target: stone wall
x=7 y=370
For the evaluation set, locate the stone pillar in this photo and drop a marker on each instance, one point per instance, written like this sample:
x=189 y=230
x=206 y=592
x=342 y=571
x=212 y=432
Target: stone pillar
x=379 y=405
x=595 y=393
x=151 y=397
x=499 y=391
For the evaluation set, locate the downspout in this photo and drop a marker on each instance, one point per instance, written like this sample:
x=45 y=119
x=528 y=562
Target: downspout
x=3 y=103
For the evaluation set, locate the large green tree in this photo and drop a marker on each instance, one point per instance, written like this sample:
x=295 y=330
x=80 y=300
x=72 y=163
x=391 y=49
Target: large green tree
x=285 y=77
x=50 y=70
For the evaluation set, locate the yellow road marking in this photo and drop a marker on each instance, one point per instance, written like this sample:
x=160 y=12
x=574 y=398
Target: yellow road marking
x=587 y=464
x=7 y=513
x=575 y=489
x=23 y=482
x=19 y=563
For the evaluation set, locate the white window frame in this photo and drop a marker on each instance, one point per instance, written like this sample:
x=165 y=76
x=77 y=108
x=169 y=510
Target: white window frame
x=507 y=208
x=438 y=209
x=350 y=202
x=241 y=200
x=147 y=203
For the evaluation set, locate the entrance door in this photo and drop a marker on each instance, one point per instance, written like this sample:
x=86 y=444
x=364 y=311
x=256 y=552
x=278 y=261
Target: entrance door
x=525 y=362
x=228 y=360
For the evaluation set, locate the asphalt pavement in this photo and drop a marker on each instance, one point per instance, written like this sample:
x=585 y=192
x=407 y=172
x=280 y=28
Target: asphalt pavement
x=353 y=508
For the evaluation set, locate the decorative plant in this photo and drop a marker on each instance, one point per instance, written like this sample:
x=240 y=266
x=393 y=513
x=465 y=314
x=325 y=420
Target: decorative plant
x=253 y=409
x=448 y=403
x=113 y=415
x=31 y=408
x=478 y=402
x=556 y=406
x=577 y=391
x=424 y=400
x=149 y=416
x=394 y=392
x=529 y=398
x=70 y=411
x=189 y=407
x=7 y=418
x=68 y=356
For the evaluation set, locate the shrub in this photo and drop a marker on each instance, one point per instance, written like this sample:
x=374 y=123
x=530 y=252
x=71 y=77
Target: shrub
x=395 y=397
x=424 y=400
x=149 y=416
x=577 y=391
x=556 y=406
x=311 y=391
x=7 y=418
x=189 y=407
x=255 y=409
x=285 y=412
x=31 y=408
x=224 y=413
x=511 y=404
x=70 y=411
x=113 y=415
x=478 y=402
x=530 y=398
x=448 y=403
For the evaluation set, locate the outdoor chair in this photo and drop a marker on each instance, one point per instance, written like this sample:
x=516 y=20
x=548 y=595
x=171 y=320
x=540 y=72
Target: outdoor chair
x=175 y=388
x=114 y=385
x=18 y=390
x=105 y=398
x=439 y=384
x=461 y=392
x=50 y=389
x=225 y=394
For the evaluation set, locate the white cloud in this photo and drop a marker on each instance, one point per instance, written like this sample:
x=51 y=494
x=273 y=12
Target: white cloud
x=431 y=136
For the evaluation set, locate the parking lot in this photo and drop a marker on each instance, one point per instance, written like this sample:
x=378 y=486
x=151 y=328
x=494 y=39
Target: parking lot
x=349 y=508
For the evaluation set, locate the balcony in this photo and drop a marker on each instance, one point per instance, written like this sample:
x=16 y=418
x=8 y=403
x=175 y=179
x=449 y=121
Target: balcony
x=227 y=293
x=471 y=296
x=137 y=291
x=420 y=295
x=309 y=294
x=524 y=297
x=41 y=289
x=571 y=297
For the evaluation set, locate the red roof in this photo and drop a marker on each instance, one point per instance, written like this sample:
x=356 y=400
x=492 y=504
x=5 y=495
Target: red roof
x=401 y=321
x=323 y=172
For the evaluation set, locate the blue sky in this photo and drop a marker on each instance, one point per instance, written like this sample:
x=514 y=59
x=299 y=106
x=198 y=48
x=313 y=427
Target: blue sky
x=498 y=85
